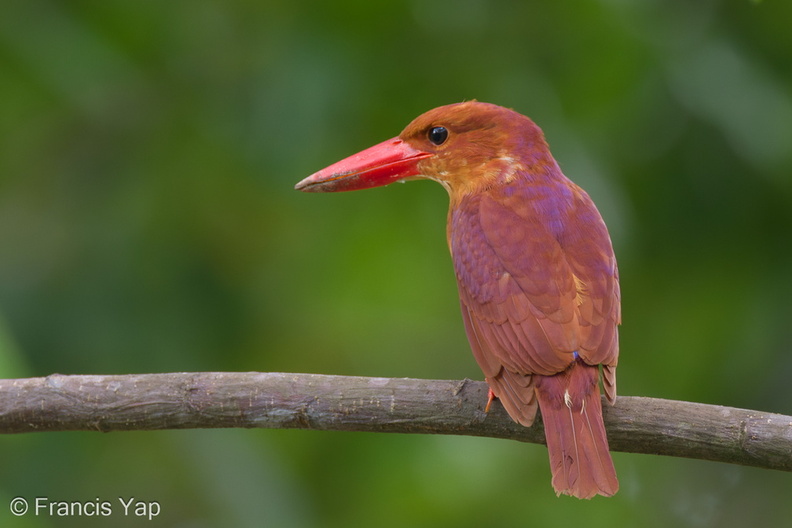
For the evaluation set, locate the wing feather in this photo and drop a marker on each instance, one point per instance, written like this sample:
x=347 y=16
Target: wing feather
x=532 y=291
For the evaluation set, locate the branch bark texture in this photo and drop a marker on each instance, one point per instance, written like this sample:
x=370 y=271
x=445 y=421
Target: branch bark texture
x=396 y=405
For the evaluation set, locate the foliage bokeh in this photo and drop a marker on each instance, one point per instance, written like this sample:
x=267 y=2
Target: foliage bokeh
x=148 y=223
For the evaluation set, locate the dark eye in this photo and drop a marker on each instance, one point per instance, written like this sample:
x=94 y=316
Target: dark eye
x=438 y=135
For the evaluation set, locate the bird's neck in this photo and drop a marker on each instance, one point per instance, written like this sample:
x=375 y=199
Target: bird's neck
x=504 y=170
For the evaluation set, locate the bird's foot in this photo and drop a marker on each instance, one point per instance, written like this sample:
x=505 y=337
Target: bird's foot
x=490 y=398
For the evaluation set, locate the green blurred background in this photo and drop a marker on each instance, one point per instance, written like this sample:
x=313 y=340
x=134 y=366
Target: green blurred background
x=148 y=223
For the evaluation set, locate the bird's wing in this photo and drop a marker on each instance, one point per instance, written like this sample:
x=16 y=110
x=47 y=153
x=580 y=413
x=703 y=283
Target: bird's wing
x=537 y=283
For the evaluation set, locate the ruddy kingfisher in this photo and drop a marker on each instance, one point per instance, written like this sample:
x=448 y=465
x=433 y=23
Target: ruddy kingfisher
x=537 y=276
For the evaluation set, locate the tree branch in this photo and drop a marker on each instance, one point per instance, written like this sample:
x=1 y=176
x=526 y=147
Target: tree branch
x=398 y=405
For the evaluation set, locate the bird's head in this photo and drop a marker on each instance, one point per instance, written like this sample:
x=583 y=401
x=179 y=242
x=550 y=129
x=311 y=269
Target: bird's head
x=465 y=146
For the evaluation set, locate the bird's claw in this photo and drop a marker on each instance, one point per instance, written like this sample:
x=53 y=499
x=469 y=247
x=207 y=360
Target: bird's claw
x=490 y=398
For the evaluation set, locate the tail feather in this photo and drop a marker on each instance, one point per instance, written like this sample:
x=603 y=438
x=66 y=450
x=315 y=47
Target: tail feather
x=576 y=440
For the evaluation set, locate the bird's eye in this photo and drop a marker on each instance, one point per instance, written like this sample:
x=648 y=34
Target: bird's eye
x=438 y=135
